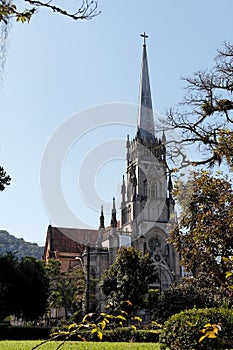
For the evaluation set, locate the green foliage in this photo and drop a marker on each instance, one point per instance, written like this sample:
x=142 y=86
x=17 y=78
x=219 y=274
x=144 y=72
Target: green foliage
x=95 y=324
x=107 y=327
x=202 y=291
x=203 y=237
x=20 y=248
x=9 y=283
x=33 y=290
x=183 y=331
x=127 y=279
x=23 y=333
x=229 y=273
x=66 y=289
x=151 y=299
x=4 y=178
x=23 y=287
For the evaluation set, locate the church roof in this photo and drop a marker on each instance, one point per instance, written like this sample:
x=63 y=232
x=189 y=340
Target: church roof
x=145 y=112
x=64 y=239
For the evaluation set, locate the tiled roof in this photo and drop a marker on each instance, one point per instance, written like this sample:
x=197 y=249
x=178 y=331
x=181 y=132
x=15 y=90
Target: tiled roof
x=70 y=239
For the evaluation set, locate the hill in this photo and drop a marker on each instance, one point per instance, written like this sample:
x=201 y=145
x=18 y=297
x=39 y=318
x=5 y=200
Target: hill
x=10 y=243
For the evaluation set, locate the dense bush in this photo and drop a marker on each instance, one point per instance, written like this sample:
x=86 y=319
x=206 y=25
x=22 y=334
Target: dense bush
x=24 y=333
x=119 y=334
x=127 y=334
x=202 y=291
x=182 y=331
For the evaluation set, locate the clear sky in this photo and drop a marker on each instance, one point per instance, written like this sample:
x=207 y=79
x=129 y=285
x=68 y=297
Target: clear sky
x=57 y=69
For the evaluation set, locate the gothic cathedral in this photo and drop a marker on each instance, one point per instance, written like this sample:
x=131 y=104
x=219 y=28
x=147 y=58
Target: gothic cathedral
x=147 y=207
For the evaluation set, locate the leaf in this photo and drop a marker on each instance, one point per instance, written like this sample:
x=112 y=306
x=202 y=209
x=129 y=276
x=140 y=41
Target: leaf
x=73 y=325
x=134 y=328
x=102 y=324
x=137 y=318
x=121 y=317
x=154 y=323
x=100 y=335
x=83 y=339
x=207 y=325
x=202 y=338
x=86 y=316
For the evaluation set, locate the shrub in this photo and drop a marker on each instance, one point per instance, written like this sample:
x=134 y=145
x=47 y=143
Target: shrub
x=119 y=334
x=202 y=291
x=182 y=331
x=24 y=333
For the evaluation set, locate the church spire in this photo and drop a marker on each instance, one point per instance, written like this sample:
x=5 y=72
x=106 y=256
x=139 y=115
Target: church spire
x=113 y=220
x=102 y=217
x=145 y=111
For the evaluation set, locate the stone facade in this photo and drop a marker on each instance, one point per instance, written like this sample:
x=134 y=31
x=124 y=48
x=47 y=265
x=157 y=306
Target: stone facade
x=147 y=210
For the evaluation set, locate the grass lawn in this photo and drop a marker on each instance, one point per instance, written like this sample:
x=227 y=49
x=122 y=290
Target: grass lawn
x=28 y=345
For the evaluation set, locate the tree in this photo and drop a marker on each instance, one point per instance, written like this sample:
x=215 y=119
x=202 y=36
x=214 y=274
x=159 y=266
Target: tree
x=4 y=179
x=23 y=287
x=203 y=237
x=9 y=283
x=66 y=289
x=33 y=289
x=8 y=9
x=128 y=278
x=205 y=117
x=201 y=291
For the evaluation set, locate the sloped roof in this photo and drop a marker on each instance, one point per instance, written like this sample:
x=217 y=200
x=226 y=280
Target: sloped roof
x=70 y=240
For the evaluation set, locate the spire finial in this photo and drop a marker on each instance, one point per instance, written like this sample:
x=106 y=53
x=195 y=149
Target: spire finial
x=102 y=217
x=114 y=220
x=144 y=36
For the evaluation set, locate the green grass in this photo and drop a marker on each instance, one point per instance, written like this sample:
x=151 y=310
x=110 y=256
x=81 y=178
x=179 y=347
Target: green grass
x=28 y=345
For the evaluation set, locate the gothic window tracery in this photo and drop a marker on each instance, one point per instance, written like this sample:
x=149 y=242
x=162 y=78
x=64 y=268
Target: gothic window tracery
x=154 y=243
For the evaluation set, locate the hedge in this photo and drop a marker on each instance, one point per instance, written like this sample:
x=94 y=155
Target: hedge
x=182 y=331
x=119 y=334
x=24 y=333
x=123 y=334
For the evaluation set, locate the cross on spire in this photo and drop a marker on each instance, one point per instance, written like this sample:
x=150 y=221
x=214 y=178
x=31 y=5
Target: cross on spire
x=144 y=36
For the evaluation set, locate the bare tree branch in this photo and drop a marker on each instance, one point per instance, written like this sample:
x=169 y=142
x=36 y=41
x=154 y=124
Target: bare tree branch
x=88 y=9
x=205 y=116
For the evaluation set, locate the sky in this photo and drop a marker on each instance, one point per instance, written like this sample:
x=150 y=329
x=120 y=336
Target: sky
x=69 y=98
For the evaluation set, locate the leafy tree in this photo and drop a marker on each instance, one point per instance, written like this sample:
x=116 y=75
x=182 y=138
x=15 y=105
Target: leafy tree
x=205 y=116
x=9 y=283
x=66 y=289
x=128 y=278
x=8 y=9
x=202 y=291
x=23 y=287
x=4 y=179
x=33 y=289
x=203 y=237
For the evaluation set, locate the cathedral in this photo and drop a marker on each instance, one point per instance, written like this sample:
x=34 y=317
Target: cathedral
x=146 y=210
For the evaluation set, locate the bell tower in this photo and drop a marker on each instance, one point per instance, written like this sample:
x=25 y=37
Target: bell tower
x=147 y=205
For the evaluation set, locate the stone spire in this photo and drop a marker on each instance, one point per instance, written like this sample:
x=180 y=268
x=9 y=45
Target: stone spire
x=145 y=112
x=102 y=218
x=114 y=220
x=123 y=191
